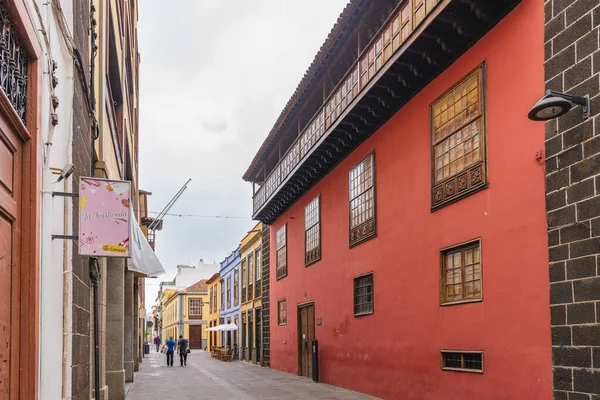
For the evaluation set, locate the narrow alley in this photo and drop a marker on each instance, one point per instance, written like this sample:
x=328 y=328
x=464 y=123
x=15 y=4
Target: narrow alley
x=341 y=198
x=208 y=378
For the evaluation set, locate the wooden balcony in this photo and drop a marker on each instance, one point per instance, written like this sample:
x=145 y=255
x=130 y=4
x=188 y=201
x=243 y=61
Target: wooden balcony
x=417 y=43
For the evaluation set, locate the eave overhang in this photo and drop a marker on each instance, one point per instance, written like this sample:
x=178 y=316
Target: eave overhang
x=447 y=31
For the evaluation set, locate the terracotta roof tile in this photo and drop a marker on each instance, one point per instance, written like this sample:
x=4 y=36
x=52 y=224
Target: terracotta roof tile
x=199 y=286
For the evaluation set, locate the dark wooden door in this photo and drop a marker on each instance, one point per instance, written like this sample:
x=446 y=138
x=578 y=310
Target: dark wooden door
x=10 y=239
x=195 y=336
x=250 y=336
x=306 y=322
x=258 y=339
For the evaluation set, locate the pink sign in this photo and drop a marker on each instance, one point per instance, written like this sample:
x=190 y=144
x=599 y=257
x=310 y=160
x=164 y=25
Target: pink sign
x=104 y=220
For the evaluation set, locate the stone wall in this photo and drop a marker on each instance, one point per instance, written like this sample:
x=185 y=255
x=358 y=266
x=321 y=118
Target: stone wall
x=265 y=303
x=573 y=198
x=82 y=150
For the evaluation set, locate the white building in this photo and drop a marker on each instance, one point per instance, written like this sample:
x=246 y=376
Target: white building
x=188 y=275
x=54 y=26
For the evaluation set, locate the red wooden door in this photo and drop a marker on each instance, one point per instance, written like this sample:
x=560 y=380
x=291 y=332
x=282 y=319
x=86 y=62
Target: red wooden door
x=10 y=238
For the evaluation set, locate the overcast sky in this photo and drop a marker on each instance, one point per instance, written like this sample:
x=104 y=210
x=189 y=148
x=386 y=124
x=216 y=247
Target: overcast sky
x=214 y=76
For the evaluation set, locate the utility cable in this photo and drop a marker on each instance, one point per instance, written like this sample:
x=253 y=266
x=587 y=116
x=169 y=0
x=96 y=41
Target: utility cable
x=201 y=216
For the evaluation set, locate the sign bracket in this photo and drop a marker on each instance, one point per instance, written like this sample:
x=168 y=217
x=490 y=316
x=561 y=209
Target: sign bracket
x=65 y=194
x=66 y=237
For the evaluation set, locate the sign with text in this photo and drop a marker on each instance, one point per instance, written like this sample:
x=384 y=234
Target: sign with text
x=104 y=217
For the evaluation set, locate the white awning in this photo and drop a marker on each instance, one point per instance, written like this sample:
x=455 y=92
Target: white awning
x=224 y=327
x=143 y=259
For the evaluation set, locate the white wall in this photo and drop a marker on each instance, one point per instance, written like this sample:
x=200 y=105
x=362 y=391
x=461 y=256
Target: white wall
x=188 y=276
x=55 y=211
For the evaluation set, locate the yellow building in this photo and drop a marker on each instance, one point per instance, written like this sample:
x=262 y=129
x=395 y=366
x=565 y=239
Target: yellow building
x=169 y=314
x=183 y=313
x=251 y=314
x=214 y=298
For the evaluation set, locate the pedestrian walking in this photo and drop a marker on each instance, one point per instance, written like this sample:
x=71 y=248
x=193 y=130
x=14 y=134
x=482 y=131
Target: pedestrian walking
x=183 y=350
x=170 y=350
x=157 y=342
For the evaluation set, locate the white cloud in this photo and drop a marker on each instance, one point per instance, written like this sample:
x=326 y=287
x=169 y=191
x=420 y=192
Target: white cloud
x=214 y=76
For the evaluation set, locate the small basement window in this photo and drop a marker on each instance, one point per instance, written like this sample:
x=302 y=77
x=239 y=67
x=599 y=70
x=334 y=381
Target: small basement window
x=467 y=361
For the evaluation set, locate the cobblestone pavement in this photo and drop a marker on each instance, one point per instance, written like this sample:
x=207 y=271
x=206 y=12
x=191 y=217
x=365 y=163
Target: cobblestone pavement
x=207 y=378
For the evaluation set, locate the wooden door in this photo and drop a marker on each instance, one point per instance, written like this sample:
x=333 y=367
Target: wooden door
x=258 y=336
x=250 y=336
x=306 y=336
x=11 y=149
x=195 y=336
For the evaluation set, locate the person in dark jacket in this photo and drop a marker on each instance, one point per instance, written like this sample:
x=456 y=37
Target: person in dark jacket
x=182 y=349
x=157 y=342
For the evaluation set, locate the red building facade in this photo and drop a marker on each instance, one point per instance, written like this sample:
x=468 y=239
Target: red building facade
x=417 y=257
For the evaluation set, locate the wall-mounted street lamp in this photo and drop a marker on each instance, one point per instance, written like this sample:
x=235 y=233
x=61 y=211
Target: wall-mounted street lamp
x=554 y=104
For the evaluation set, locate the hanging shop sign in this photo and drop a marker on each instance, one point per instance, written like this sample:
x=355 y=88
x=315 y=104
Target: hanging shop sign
x=104 y=217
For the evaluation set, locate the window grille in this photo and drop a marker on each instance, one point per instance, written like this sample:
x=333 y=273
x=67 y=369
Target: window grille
x=468 y=361
x=312 y=232
x=282 y=312
x=362 y=201
x=458 y=138
x=281 y=265
x=363 y=295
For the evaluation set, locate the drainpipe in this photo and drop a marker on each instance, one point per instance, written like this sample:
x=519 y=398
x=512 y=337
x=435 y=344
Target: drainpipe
x=50 y=274
x=181 y=319
x=94 y=264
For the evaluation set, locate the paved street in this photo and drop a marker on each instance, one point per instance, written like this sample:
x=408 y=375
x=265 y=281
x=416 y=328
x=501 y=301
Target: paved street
x=207 y=378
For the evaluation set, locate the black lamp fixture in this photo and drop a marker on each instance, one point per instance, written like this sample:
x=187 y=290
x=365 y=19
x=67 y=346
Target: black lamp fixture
x=554 y=104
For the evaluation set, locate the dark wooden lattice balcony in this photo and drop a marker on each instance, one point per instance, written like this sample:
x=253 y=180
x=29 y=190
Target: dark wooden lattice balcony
x=417 y=43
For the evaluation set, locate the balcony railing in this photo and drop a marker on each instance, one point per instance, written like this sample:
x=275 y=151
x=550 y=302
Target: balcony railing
x=381 y=49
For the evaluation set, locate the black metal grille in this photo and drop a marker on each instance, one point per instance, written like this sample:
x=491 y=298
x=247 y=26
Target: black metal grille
x=464 y=361
x=363 y=295
x=452 y=360
x=13 y=65
x=473 y=361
